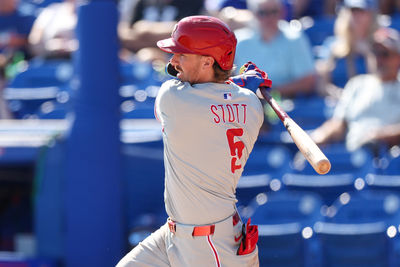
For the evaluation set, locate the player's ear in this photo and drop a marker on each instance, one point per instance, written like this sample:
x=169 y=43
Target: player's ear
x=208 y=61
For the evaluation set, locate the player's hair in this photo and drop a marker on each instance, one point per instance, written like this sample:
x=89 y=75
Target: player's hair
x=220 y=74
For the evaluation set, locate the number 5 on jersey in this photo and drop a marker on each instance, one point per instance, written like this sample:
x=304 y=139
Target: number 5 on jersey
x=236 y=148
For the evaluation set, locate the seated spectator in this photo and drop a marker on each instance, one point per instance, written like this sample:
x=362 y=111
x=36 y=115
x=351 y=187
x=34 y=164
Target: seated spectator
x=283 y=52
x=348 y=53
x=14 y=29
x=368 y=110
x=53 y=33
x=144 y=22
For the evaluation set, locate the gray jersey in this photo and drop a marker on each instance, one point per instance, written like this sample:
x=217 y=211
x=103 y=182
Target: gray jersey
x=209 y=130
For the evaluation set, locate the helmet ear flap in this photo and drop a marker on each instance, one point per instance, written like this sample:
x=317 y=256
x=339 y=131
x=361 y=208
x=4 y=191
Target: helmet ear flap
x=228 y=57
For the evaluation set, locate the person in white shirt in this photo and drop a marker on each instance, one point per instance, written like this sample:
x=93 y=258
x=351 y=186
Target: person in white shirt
x=369 y=108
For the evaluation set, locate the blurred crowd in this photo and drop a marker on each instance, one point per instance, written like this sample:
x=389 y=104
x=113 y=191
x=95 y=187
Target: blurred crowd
x=309 y=48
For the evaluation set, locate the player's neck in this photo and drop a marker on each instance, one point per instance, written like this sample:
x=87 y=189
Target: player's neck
x=206 y=77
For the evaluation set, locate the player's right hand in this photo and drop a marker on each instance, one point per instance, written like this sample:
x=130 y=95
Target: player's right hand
x=251 y=77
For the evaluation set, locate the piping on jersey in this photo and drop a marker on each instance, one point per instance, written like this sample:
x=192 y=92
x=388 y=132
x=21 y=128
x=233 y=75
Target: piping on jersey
x=214 y=251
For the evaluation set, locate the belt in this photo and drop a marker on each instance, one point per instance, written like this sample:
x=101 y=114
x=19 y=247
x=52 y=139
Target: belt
x=203 y=230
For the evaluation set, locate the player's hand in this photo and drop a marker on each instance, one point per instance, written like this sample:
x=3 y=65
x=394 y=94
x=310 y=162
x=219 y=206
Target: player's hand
x=251 y=77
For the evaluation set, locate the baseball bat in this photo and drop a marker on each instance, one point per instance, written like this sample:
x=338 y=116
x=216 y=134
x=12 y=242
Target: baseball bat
x=305 y=144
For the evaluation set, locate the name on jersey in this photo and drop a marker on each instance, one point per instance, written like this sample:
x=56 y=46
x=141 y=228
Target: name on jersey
x=224 y=113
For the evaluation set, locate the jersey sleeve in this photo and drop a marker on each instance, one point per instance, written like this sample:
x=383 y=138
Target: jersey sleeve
x=163 y=107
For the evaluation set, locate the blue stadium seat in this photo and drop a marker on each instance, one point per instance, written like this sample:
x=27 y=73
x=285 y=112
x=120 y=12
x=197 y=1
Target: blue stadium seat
x=310 y=112
x=354 y=245
x=361 y=230
x=329 y=186
x=143 y=178
x=383 y=182
x=14 y=259
x=318 y=28
x=53 y=110
x=137 y=110
x=140 y=74
x=366 y=206
x=139 y=87
x=285 y=221
x=266 y=163
x=44 y=73
x=43 y=80
x=390 y=162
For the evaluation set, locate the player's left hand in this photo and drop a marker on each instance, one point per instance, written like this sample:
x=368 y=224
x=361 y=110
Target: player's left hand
x=251 y=77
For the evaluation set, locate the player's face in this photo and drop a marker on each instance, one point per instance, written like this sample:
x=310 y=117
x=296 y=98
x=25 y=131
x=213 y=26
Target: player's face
x=188 y=67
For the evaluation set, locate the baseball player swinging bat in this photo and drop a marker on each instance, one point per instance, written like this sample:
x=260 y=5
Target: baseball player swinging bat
x=303 y=141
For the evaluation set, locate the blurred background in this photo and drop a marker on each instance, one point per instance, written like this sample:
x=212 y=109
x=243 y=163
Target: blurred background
x=81 y=154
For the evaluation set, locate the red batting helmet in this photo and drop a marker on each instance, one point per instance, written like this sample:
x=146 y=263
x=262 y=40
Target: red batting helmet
x=202 y=35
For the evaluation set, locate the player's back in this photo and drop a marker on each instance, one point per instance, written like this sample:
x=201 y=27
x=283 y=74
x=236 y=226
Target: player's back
x=209 y=130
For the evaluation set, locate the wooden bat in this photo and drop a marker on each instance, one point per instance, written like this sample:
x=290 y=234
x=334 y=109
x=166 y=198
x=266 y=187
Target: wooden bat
x=306 y=145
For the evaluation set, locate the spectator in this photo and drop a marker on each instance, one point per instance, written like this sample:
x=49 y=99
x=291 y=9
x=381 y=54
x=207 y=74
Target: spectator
x=369 y=110
x=53 y=33
x=14 y=29
x=277 y=48
x=349 y=51
x=144 y=22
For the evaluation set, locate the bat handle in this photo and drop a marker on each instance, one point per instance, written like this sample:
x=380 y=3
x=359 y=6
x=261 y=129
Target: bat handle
x=282 y=115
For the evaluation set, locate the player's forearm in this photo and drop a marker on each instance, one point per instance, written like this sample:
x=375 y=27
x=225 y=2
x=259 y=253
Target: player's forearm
x=304 y=85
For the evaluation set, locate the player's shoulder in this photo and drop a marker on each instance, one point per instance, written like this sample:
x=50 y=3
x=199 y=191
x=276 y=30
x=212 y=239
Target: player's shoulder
x=172 y=85
x=241 y=91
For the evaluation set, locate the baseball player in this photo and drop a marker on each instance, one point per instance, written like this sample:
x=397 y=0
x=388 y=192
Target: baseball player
x=209 y=128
